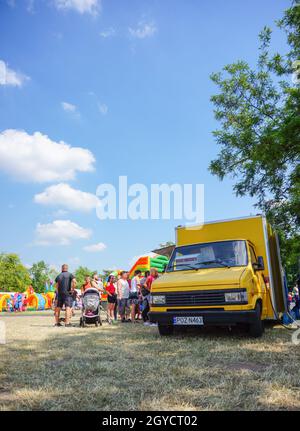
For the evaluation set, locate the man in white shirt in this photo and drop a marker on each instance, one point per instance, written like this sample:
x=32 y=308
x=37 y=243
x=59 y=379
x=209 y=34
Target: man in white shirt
x=123 y=295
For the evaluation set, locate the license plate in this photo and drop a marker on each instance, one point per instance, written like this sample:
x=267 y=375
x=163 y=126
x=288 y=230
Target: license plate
x=188 y=320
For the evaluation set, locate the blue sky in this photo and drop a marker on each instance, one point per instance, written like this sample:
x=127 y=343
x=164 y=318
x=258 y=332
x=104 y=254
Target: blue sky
x=125 y=83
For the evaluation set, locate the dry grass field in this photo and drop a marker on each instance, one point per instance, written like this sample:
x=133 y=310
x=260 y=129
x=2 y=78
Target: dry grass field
x=129 y=367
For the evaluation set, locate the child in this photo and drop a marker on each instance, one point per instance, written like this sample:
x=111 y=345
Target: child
x=87 y=284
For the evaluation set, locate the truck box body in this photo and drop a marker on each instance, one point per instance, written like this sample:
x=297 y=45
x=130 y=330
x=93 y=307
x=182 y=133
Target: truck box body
x=258 y=232
x=196 y=282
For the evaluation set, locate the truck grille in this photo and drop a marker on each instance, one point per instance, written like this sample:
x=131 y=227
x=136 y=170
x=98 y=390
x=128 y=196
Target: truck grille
x=194 y=298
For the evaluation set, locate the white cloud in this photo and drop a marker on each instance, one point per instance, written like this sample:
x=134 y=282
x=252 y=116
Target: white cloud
x=68 y=107
x=63 y=195
x=73 y=261
x=81 y=6
x=60 y=213
x=39 y=159
x=108 y=32
x=60 y=232
x=95 y=248
x=143 y=30
x=10 y=77
x=103 y=108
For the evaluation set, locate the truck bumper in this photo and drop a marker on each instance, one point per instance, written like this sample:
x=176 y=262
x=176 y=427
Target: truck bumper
x=210 y=318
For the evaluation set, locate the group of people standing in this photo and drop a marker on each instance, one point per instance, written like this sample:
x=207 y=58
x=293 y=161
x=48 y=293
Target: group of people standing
x=130 y=299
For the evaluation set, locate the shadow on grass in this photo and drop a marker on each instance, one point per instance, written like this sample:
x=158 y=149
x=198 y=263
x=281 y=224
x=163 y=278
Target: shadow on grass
x=130 y=367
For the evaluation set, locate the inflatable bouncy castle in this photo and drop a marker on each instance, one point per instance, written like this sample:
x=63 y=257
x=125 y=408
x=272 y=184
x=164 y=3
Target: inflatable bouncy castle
x=40 y=301
x=26 y=301
x=6 y=302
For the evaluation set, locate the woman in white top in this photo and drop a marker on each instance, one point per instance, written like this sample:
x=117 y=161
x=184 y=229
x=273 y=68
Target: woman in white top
x=123 y=295
x=97 y=284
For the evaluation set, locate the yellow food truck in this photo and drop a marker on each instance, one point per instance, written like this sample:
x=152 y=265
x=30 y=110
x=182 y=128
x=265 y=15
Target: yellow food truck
x=222 y=273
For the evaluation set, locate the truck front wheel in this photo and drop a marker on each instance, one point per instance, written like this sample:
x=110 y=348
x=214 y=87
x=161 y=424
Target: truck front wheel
x=165 y=329
x=256 y=327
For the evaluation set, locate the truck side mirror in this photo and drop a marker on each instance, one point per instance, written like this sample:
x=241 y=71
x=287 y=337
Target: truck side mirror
x=259 y=265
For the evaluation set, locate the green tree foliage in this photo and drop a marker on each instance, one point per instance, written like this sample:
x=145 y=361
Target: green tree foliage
x=14 y=277
x=106 y=272
x=258 y=109
x=166 y=244
x=40 y=275
x=80 y=274
x=290 y=254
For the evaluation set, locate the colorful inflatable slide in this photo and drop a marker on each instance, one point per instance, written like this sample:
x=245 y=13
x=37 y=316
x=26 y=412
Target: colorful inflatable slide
x=144 y=263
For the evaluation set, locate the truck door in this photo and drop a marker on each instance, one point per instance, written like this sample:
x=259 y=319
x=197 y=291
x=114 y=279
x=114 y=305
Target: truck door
x=258 y=281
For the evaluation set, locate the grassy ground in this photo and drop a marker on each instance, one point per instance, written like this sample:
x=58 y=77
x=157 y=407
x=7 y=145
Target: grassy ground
x=129 y=367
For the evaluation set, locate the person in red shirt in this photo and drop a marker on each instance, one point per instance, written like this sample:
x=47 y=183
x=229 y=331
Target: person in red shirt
x=111 y=296
x=153 y=276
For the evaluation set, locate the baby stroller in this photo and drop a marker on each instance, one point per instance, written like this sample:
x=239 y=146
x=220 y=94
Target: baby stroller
x=90 y=308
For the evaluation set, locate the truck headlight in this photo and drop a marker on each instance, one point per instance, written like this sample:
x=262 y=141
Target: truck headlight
x=236 y=296
x=158 y=299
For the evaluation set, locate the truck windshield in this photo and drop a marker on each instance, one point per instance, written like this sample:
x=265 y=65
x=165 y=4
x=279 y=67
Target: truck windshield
x=209 y=255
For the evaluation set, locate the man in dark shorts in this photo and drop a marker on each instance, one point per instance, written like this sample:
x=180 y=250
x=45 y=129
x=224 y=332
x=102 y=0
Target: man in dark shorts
x=64 y=287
